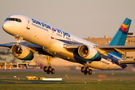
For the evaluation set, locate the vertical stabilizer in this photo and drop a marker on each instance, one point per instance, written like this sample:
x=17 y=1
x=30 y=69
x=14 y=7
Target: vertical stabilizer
x=120 y=37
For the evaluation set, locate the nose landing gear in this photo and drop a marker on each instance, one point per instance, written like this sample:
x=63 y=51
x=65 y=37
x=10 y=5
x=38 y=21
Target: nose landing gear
x=19 y=39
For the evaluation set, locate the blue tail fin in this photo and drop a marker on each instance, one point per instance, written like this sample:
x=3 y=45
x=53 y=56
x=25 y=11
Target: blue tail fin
x=120 y=37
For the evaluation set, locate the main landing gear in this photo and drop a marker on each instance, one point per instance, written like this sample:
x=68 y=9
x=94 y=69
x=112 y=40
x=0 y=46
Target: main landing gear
x=85 y=69
x=49 y=69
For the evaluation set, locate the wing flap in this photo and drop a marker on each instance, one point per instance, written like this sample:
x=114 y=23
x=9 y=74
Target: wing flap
x=127 y=62
x=120 y=51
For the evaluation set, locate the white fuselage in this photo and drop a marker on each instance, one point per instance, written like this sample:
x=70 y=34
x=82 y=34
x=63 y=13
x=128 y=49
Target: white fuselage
x=51 y=39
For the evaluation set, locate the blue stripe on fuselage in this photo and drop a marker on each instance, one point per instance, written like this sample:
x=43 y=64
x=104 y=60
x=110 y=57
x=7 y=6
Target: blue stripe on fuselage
x=114 y=57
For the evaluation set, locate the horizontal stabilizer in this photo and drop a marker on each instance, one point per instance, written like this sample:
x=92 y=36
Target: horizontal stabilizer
x=127 y=62
x=102 y=52
x=120 y=49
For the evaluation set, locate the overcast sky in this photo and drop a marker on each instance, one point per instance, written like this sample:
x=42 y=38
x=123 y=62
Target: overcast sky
x=82 y=18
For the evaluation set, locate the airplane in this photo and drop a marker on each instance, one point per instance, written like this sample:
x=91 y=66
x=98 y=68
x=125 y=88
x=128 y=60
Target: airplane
x=54 y=42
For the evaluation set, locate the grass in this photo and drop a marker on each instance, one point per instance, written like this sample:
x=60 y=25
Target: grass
x=93 y=86
x=71 y=81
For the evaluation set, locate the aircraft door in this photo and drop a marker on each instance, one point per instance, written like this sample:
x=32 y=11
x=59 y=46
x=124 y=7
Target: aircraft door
x=28 y=25
x=28 y=32
x=53 y=36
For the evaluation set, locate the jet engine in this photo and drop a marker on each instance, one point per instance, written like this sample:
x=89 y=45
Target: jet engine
x=89 y=53
x=22 y=52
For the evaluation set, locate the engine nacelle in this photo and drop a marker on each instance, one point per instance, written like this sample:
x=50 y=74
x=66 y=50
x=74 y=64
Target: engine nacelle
x=22 y=52
x=89 y=53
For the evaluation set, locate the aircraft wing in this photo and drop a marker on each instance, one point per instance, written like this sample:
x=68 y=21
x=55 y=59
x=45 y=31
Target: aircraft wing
x=34 y=47
x=10 y=45
x=102 y=49
x=6 y=45
x=105 y=49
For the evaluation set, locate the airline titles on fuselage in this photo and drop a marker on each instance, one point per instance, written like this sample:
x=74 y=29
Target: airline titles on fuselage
x=46 y=27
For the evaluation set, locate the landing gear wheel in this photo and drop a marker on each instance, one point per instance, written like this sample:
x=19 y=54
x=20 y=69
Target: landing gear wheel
x=45 y=68
x=50 y=68
x=90 y=72
x=82 y=69
x=85 y=72
x=48 y=72
x=87 y=69
x=53 y=71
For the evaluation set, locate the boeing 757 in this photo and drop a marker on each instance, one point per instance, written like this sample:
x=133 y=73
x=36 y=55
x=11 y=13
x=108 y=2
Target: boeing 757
x=54 y=42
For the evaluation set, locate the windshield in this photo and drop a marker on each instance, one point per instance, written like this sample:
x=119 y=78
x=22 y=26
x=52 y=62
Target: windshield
x=13 y=19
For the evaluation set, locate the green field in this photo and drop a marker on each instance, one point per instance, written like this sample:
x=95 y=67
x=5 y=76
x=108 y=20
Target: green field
x=72 y=80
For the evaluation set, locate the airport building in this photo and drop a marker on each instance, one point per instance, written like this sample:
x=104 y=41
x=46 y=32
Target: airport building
x=106 y=40
x=8 y=61
x=130 y=41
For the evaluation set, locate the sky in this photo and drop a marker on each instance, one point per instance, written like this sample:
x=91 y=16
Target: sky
x=83 y=18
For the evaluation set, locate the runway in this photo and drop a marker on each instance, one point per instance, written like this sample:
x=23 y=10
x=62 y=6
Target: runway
x=71 y=80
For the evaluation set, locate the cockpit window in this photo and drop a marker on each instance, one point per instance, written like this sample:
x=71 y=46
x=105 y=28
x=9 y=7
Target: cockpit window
x=13 y=19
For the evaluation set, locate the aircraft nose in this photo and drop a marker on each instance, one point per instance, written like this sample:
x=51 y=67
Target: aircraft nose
x=6 y=26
